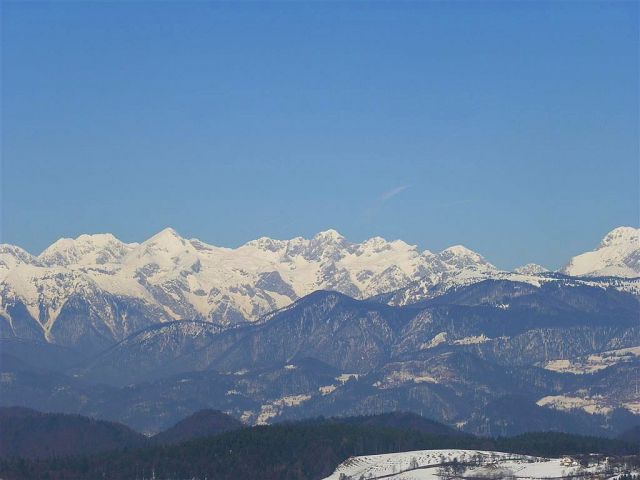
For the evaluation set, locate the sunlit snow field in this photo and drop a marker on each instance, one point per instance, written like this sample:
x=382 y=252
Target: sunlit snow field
x=439 y=464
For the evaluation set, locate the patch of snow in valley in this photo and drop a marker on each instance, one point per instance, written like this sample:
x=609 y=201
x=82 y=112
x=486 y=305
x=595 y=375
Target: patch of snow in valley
x=327 y=389
x=594 y=362
x=473 y=340
x=595 y=404
x=274 y=408
x=438 y=464
x=345 y=377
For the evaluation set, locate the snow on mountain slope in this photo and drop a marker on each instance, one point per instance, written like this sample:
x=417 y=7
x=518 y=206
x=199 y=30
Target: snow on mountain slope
x=426 y=288
x=617 y=255
x=168 y=277
x=531 y=269
x=437 y=464
x=12 y=256
x=189 y=279
x=96 y=249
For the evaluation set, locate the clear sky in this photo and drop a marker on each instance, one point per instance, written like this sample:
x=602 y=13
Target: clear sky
x=511 y=128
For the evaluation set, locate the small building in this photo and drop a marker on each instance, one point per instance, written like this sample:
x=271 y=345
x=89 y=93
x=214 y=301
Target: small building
x=569 y=462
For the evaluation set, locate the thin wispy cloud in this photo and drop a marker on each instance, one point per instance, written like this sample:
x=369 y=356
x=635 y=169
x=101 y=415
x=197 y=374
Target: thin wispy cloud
x=376 y=204
x=389 y=194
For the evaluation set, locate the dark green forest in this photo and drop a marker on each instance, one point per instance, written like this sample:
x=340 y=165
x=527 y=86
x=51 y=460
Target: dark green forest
x=294 y=451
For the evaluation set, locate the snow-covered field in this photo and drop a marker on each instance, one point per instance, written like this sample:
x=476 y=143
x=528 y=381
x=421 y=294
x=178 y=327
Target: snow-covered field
x=442 y=464
x=594 y=362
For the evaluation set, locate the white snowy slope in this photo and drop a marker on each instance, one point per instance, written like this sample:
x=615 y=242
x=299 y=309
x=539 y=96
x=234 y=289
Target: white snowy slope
x=617 y=255
x=531 y=269
x=87 y=250
x=95 y=288
x=438 y=464
x=177 y=278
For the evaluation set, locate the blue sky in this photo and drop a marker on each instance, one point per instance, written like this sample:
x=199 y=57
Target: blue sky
x=511 y=128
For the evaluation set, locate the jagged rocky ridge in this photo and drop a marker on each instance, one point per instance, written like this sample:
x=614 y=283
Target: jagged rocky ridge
x=95 y=290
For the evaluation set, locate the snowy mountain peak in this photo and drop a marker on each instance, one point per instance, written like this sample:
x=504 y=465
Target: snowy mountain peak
x=617 y=255
x=531 y=269
x=170 y=277
x=97 y=249
x=459 y=251
x=330 y=235
x=297 y=244
x=267 y=244
x=166 y=235
x=621 y=236
x=98 y=239
x=12 y=256
x=167 y=240
x=16 y=252
x=166 y=248
x=181 y=278
x=461 y=259
x=375 y=241
x=379 y=244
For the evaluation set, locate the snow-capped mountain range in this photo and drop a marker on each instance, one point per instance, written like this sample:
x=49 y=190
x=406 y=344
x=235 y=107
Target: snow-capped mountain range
x=95 y=289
